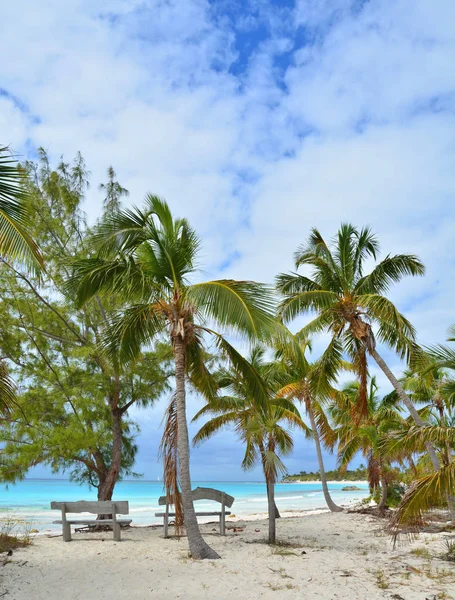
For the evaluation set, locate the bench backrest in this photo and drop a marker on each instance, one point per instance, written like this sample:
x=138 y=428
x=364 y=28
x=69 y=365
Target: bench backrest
x=203 y=493
x=96 y=508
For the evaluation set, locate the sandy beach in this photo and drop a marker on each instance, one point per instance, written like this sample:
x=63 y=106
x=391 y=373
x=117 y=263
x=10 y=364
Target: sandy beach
x=327 y=556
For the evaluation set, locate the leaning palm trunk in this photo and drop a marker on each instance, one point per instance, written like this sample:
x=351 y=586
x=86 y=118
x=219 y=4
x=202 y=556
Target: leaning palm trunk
x=198 y=547
x=272 y=509
x=330 y=503
x=406 y=401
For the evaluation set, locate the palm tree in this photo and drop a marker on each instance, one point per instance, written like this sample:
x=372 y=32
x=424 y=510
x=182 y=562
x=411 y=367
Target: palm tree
x=310 y=385
x=148 y=257
x=348 y=303
x=365 y=436
x=259 y=427
x=15 y=243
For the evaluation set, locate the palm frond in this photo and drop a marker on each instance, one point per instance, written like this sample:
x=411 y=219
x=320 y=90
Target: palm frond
x=244 y=307
x=390 y=270
x=15 y=242
x=196 y=364
x=7 y=390
x=214 y=425
x=133 y=328
x=443 y=356
x=367 y=245
x=168 y=451
x=254 y=384
x=98 y=276
x=294 y=304
x=319 y=324
x=425 y=493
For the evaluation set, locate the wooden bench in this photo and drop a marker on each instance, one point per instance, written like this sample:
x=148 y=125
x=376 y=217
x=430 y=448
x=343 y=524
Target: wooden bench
x=95 y=508
x=201 y=493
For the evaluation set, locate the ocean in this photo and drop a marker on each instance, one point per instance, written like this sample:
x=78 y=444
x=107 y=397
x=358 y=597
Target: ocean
x=30 y=499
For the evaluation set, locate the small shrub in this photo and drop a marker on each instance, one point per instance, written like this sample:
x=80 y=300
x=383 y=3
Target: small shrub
x=421 y=552
x=395 y=492
x=450 y=550
x=381 y=580
x=14 y=533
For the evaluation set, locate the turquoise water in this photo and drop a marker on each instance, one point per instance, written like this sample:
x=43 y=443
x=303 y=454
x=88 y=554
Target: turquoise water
x=30 y=499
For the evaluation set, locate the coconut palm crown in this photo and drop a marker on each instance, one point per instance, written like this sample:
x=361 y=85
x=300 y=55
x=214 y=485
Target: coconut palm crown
x=349 y=303
x=148 y=257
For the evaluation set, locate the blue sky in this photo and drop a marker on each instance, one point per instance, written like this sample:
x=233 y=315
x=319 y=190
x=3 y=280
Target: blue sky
x=257 y=120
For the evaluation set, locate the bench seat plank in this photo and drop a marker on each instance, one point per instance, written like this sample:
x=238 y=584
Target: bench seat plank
x=102 y=507
x=90 y=521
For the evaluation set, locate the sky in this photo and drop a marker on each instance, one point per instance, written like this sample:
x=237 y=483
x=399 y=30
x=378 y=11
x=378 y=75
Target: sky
x=256 y=120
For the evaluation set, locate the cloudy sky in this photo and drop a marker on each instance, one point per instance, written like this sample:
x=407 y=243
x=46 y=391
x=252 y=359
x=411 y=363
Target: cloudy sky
x=257 y=120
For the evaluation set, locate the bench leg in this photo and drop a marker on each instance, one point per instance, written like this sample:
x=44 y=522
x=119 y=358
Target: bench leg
x=165 y=526
x=66 y=532
x=222 y=522
x=116 y=531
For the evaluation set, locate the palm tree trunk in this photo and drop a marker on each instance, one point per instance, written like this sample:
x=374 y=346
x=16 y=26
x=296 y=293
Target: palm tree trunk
x=330 y=503
x=272 y=508
x=277 y=512
x=383 y=501
x=407 y=402
x=413 y=466
x=198 y=547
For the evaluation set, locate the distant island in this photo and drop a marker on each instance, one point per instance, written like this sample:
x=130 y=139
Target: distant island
x=359 y=474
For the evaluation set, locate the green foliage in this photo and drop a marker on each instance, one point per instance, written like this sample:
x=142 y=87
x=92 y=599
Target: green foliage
x=68 y=390
x=450 y=550
x=395 y=493
x=359 y=474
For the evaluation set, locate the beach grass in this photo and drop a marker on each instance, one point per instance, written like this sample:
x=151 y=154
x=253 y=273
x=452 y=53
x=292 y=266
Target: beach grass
x=14 y=533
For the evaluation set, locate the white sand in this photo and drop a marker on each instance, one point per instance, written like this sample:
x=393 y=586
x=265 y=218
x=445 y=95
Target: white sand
x=347 y=557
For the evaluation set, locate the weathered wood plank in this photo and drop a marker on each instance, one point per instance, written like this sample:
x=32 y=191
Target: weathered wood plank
x=90 y=521
x=66 y=528
x=223 y=520
x=95 y=508
x=203 y=493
